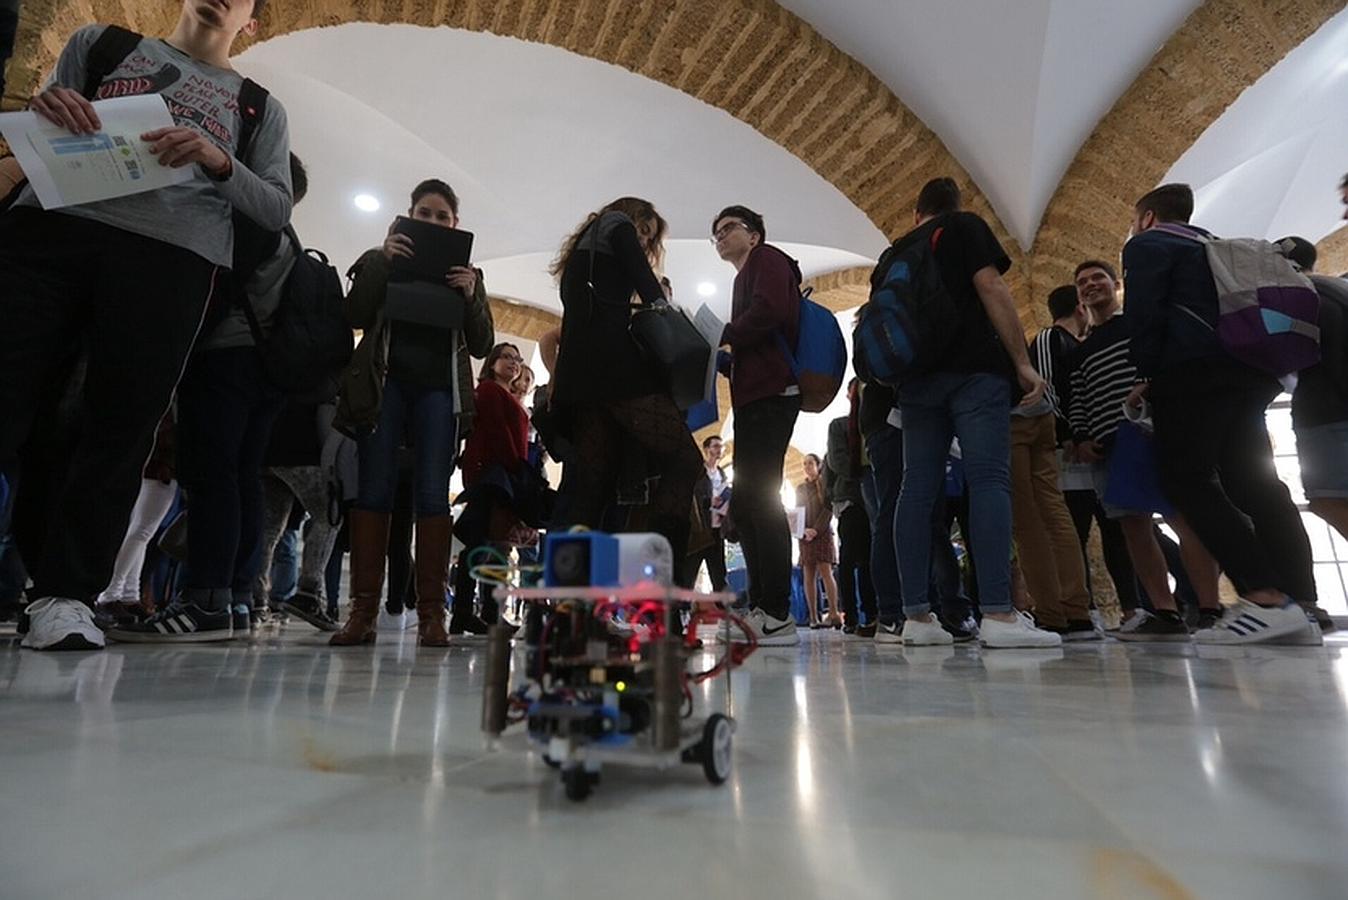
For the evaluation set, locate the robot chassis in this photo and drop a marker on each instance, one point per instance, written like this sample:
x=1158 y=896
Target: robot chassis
x=606 y=679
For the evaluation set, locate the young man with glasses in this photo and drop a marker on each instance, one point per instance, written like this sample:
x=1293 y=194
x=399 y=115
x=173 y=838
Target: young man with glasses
x=765 y=311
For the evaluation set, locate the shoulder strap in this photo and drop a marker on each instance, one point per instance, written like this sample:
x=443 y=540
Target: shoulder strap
x=112 y=46
x=252 y=106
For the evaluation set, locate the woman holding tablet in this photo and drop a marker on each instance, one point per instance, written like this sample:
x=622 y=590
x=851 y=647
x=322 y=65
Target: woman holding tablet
x=427 y=394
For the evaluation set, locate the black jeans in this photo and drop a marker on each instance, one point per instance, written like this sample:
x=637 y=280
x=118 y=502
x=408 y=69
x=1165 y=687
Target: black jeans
x=138 y=304
x=1215 y=463
x=762 y=434
x=714 y=556
x=225 y=412
x=1085 y=507
x=854 y=565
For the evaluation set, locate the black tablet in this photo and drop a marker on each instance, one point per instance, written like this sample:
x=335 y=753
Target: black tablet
x=435 y=250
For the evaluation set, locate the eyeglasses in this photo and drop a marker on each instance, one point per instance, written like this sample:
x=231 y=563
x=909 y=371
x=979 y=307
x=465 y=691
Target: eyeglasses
x=720 y=234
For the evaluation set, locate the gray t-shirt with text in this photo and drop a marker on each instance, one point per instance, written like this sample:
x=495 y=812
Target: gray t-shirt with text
x=195 y=215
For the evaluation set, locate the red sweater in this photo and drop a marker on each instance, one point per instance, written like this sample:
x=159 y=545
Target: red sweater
x=766 y=304
x=500 y=435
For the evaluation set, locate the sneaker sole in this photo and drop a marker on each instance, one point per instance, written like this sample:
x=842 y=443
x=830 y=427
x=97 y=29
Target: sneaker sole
x=320 y=624
x=1020 y=646
x=782 y=640
x=1129 y=638
x=214 y=635
x=1082 y=638
x=69 y=642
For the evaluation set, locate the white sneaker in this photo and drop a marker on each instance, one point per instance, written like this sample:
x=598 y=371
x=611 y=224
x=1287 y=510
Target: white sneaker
x=1310 y=636
x=388 y=622
x=410 y=620
x=1131 y=623
x=998 y=635
x=772 y=632
x=925 y=634
x=55 y=623
x=888 y=634
x=1249 y=623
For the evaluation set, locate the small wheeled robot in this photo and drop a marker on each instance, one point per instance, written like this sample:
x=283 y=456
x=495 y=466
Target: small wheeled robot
x=608 y=675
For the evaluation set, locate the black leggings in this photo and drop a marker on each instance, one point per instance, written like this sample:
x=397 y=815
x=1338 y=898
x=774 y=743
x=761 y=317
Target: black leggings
x=654 y=424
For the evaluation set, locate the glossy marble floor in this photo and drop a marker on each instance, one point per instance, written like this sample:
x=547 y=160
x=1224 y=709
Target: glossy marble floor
x=281 y=769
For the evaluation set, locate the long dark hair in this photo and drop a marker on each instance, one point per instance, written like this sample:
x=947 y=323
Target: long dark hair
x=639 y=211
x=489 y=364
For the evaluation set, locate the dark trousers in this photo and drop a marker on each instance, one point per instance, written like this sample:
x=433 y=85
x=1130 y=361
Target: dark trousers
x=226 y=409
x=654 y=424
x=855 y=586
x=762 y=434
x=1085 y=507
x=137 y=303
x=714 y=556
x=1215 y=463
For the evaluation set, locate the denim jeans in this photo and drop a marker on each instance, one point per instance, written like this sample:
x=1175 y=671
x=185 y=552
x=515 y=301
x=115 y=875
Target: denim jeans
x=423 y=418
x=976 y=408
x=285 y=566
x=884 y=446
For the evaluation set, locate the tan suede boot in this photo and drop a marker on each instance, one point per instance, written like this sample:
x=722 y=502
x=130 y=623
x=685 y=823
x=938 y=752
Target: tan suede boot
x=369 y=552
x=433 y=542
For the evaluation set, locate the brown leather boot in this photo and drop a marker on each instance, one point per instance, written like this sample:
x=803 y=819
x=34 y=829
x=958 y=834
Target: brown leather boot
x=369 y=552
x=433 y=541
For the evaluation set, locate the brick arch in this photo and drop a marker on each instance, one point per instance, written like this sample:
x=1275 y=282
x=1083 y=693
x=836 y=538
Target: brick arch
x=750 y=58
x=1221 y=49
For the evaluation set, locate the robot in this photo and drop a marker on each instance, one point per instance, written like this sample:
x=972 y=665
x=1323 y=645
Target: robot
x=606 y=671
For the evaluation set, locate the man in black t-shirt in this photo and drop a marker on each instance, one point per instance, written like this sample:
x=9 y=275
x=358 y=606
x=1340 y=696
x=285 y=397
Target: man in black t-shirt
x=967 y=396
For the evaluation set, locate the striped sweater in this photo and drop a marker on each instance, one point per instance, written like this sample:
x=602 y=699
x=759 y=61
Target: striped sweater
x=1102 y=376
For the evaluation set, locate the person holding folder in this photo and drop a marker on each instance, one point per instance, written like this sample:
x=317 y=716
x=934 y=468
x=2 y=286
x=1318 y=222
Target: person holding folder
x=426 y=312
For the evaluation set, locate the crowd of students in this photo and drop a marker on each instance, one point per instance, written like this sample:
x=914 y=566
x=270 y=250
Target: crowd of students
x=134 y=329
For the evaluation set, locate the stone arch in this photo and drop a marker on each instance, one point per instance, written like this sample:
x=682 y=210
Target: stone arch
x=1222 y=48
x=750 y=58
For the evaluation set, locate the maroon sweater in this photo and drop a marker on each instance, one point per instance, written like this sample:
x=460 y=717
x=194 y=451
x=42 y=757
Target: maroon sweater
x=500 y=434
x=766 y=304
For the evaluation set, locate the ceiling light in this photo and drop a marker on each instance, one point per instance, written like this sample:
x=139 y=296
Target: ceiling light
x=366 y=203
x=706 y=289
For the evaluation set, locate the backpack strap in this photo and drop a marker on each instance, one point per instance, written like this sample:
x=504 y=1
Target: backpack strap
x=112 y=46
x=252 y=107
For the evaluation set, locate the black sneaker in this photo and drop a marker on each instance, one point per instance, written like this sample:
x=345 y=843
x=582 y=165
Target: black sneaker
x=306 y=606
x=889 y=633
x=1162 y=626
x=180 y=623
x=467 y=625
x=1078 y=631
x=864 y=631
x=1207 y=618
x=961 y=632
x=849 y=628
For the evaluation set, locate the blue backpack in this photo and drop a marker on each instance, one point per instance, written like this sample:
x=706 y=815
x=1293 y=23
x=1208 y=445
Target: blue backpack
x=820 y=361
x=910 y=320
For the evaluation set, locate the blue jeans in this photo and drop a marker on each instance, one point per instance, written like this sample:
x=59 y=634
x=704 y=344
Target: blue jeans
x=885 y=449
x=424 y=419
x=976 y=408
x=285 y=566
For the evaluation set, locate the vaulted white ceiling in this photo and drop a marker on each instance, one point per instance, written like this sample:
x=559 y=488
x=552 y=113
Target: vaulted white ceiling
x=1271 y=165
x=1012 y=88
x=533 y=138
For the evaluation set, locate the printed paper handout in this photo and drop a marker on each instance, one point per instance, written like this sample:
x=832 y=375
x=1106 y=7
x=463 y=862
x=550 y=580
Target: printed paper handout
x=66 y=169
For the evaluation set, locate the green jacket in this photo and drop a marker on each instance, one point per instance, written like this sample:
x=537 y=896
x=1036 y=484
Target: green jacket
x=364 y=309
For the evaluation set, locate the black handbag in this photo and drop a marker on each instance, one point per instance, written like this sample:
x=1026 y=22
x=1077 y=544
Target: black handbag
x=669 y=341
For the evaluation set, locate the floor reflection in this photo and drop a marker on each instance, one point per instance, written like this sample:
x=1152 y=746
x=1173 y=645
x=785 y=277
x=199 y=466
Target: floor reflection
x=284 y=768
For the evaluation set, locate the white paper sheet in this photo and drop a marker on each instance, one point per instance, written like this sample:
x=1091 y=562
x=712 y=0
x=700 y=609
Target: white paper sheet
x=65 y=169
x=710 y=327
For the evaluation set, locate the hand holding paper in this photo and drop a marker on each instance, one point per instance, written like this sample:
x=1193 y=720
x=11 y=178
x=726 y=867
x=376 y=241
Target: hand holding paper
x=65 y=168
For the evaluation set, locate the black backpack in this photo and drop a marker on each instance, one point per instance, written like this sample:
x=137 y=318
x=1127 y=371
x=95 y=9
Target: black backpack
x=310 y=343
x=910 y=321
